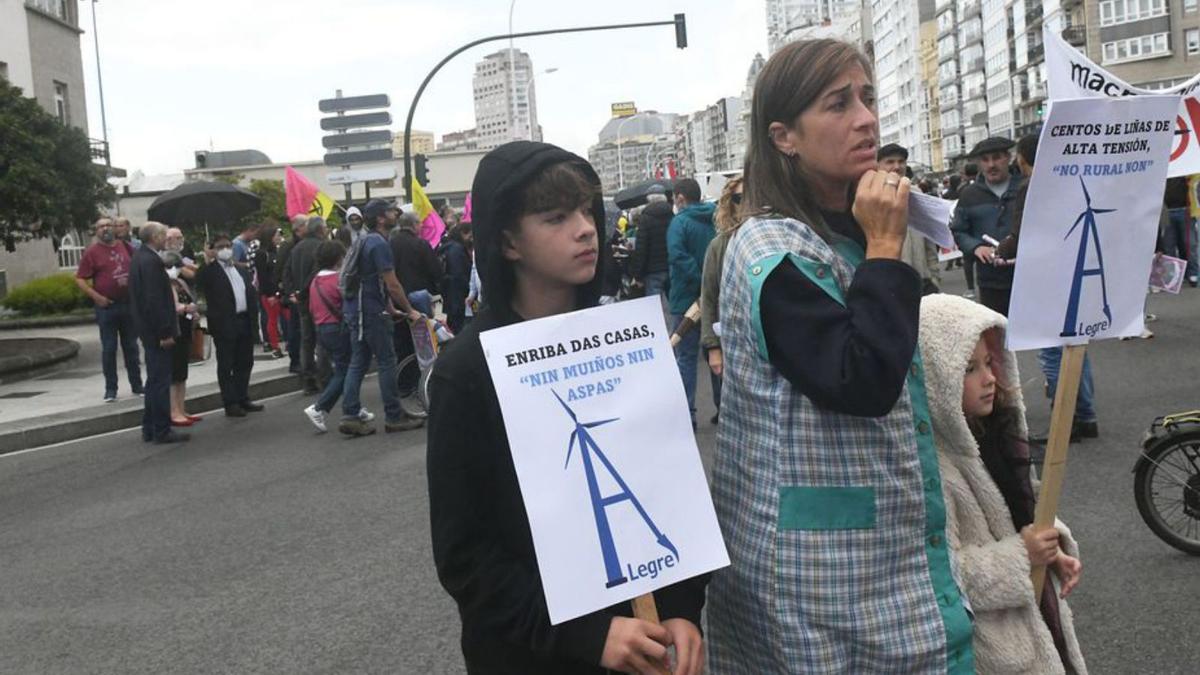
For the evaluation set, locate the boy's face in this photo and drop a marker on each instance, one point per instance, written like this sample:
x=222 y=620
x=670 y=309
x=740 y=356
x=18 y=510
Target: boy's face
x=558 y=248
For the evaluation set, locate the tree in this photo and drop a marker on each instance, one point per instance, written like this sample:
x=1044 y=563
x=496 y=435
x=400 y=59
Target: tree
x=273 y=209
x=48 y=183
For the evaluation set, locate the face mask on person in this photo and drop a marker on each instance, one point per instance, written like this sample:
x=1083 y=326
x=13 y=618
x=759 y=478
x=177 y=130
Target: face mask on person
x=107 y=236
x=224 y=254
x=173 y=272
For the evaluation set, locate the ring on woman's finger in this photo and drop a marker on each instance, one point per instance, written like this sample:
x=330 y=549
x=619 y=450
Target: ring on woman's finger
x=891 y=183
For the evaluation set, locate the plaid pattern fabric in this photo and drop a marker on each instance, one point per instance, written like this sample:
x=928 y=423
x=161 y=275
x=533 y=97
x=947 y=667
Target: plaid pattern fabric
x=816 y=600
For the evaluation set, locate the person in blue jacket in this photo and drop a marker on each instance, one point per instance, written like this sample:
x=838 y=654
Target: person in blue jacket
x=688 y=237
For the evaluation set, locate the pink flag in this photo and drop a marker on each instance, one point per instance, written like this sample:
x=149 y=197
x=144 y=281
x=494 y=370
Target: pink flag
x=300 y=192
x=466 y=217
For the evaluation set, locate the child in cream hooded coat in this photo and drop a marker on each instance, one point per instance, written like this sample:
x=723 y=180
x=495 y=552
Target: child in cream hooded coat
x=992 y=561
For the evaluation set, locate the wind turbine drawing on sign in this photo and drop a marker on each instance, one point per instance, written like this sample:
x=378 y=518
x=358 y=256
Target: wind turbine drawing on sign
x=588 y=448
x=1088 y=218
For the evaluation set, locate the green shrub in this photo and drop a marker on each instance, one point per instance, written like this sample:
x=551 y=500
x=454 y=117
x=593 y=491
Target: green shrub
x=54 y=294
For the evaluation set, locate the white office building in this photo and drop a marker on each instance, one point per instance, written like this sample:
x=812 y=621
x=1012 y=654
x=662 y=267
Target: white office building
x=505 y=101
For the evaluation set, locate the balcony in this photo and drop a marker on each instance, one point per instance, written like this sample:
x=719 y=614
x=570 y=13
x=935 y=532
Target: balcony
x=1076 y=36
x=972 y=66
x=1037 y=53
x=969 y=10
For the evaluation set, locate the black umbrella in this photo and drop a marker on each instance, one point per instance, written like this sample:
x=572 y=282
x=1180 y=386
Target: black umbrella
x=204 y=202
x=636 y=195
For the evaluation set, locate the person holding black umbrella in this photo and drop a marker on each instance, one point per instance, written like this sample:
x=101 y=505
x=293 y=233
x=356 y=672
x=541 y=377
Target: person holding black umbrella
x=153 y=307
x=232 y=317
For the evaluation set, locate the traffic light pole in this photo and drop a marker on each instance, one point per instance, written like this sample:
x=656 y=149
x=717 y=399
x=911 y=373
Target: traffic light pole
x=680 y=41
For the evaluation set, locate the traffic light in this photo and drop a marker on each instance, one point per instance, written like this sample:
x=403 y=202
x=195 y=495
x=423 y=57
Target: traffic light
x=421 y=169
x=680 y=31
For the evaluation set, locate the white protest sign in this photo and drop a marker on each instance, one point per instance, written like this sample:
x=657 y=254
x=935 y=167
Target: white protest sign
x=1090 y=221
x=602 y=441
x=1071 y=74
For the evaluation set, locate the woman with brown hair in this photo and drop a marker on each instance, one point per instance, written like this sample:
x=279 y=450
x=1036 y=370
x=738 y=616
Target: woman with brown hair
x=726 y=220
x=826 y=480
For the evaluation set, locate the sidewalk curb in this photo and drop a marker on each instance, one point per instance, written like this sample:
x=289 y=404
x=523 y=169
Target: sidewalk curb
x=53 y=350
x=102 y=418
x=48 y=321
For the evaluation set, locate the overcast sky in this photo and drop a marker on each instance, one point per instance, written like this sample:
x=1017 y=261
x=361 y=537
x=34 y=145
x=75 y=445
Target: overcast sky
x=181 y=75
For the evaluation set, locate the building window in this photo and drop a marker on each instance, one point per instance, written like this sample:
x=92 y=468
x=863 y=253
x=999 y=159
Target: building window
x=60 y=9
x=3 y=71
x=1136 y=48
x=1192 y=36
x=60 y=103
x=1113 y=12
x=1190 y=6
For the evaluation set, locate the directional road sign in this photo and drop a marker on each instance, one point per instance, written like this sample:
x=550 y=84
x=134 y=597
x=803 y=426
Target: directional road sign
x=375 y=119
x=345 y=103
x=355 y=138
x=387 y=172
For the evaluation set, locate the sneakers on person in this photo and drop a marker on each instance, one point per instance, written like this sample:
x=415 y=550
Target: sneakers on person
x=406 y=424
x=355 y=427
x=110 y=397
x=317 y=417
x=1151 y=317
x=366 y=415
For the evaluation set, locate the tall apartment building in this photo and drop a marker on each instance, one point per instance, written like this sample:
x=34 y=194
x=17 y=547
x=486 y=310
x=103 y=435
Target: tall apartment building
x=898 y=67
x=1148 y=43
x=931 y=119
x=505 y=101
x=791 y=20
x=40 y=53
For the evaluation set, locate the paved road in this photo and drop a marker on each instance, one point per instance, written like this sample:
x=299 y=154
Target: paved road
x=263 y=547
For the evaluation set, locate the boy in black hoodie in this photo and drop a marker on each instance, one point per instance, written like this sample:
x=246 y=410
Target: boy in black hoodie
x=536 y=210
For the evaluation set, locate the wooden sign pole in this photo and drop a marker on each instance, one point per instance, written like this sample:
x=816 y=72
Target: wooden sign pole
x=645 y=609
x=1054 y=468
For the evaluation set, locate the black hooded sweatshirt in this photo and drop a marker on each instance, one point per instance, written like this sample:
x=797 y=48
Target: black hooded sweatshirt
x=482 y=544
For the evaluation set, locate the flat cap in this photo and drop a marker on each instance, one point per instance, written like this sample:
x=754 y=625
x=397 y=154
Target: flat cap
x=993 y=144
x=892 y=150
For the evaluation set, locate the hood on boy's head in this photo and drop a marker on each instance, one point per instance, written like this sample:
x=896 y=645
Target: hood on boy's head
x=950 y=328
x=352 y=211
x=502 y=173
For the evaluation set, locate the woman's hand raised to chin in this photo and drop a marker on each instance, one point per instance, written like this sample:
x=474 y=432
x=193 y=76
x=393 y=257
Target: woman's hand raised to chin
x=881 y=209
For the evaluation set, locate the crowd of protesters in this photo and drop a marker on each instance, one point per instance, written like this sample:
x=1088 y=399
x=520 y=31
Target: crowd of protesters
x=154 y=295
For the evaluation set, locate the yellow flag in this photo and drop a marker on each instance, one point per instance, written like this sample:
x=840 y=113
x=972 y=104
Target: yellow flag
x=421 y=203
x=321 y=205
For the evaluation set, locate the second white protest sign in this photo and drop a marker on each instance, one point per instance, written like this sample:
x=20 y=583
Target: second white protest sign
x=1090 y=218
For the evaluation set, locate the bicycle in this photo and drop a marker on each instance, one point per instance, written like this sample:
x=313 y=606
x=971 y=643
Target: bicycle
x=1166 y=483
x=412 y=373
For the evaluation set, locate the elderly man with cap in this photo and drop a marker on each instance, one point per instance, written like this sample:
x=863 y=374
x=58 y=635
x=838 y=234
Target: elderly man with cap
x=984 y=215
x=918 y=253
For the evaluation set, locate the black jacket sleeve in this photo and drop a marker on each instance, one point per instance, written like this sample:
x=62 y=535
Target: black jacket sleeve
x=497 y=592
x=851 y=359
x=433 y=268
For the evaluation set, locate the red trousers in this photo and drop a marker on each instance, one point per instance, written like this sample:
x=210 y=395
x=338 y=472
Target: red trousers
x=272 y=308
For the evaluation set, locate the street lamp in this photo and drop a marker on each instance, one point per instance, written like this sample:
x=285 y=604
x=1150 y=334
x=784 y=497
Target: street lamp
x=679 y=22
x=100 y=86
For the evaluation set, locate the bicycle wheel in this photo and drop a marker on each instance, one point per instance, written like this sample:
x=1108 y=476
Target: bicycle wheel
x=1167 y=489
x=410 y=383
